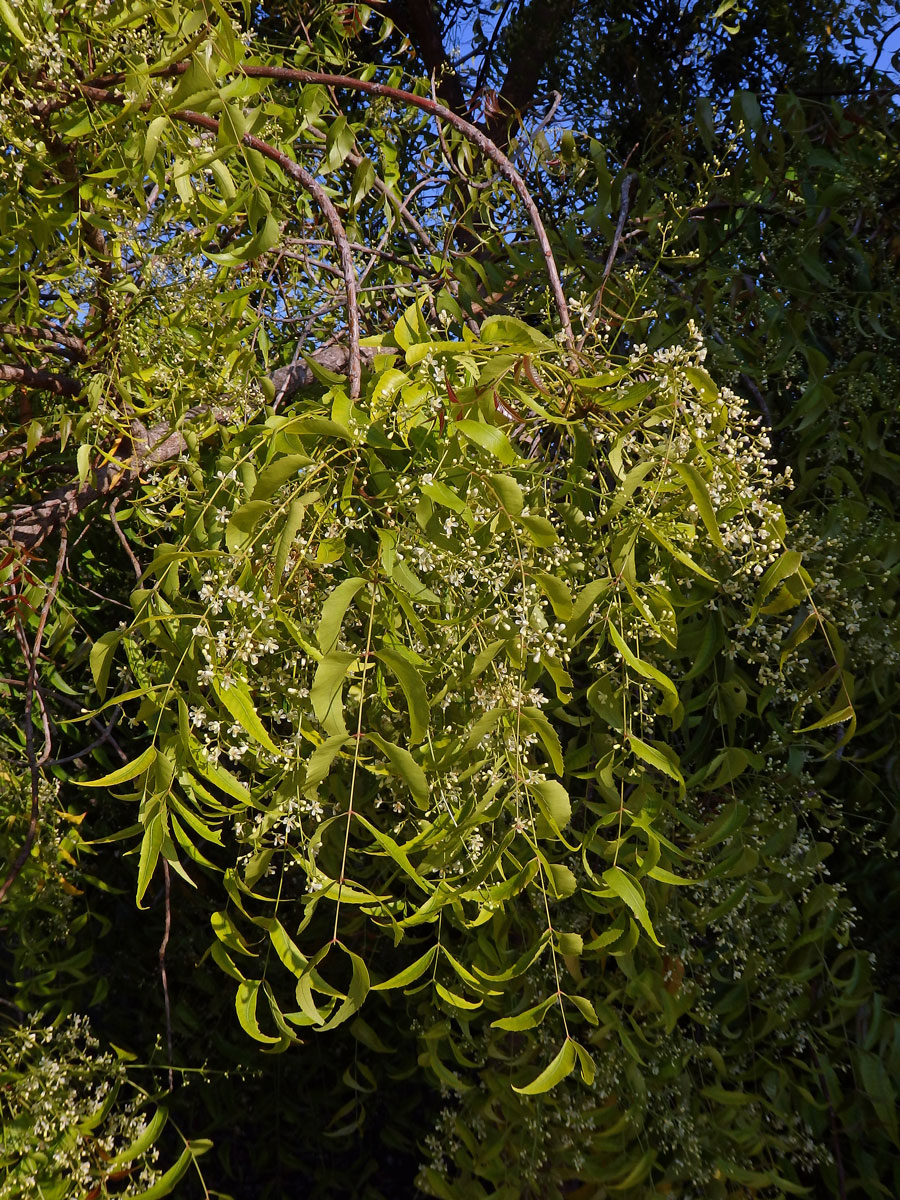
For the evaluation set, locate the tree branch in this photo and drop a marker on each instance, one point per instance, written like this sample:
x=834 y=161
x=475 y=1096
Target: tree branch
x=34 y=763
x=537 y=32
x=47 y=381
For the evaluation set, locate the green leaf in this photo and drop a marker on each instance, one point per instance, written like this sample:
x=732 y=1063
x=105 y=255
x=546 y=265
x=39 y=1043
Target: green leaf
x=151 y=139
x=101 y=659
x=541 y=533
x=455 y=1000
x=655 y=757
x=142 y=763
x=243 y=523
x=510 y=331
x=489 y=438
x=553 y=801
x=413 y=688
x=508 y=493
x=534 y=720
x=8 y=17
x=554 y=1073
x=629 y=890
x=165 y=1185
x=141 y=1144
x=409 y=974
x=327 y=688
x=292 y=523
x=245 y=1006
x=151 y=844
x=529 y=1019
x=557 y=592
x=700 y=495
x=338 y=144
x=645 y=669
x=840 y=713
x=788 y=564
x=277 y=474
x=236 y=698
x=333 y=610
x=405 y=766
x=562 y=880
x=356 y=993
x=702 y=382
x=319 y=765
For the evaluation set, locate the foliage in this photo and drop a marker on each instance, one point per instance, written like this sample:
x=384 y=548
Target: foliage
x=476 y=706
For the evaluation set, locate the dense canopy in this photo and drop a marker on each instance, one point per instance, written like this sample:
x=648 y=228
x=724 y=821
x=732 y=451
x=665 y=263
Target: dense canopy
x=449 y=571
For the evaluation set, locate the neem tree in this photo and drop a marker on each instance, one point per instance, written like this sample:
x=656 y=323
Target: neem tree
x=431 y=693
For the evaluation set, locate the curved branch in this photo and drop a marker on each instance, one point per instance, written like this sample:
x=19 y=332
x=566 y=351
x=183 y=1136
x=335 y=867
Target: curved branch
x=488 y=148
x=306 y=181
x=34 y=763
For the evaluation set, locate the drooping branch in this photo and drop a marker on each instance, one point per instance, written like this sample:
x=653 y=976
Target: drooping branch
x=470 y=131
x=28 y=525
x=306 y=181
x=35 y=762
x=487 y=147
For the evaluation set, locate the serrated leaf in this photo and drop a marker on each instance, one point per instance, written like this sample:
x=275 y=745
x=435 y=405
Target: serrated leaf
x=700 y=495
x=405 y=766
x=554 y=803
x=101 y=659
x=510 y=331
x=142 y=763
x=243 y=523
x=645 y=669
x=655 y=758
x=151 y=844
x=329 y=628
x=245 y=1002
x=629 y=890
x=508 y=493
x=529 y=1019
x=788 y=564
x=409 y=974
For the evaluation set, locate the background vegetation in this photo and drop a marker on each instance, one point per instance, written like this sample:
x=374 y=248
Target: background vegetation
x=449 y=564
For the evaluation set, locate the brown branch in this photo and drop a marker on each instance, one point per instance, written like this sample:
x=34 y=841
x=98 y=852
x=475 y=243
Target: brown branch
x=28 y=525
x=306 y=181
x=538 y=32
x=34 y=763
x=136 y=566
x=487 y=147
x=481 y=140
x=419 y=20
x=45 y=381
x=56 y=339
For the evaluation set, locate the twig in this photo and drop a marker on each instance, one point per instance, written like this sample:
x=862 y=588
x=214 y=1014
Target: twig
x=307 y=181
x=162 y=969
x=138 y=569
x=295 y=75
x=35 y=763
x=627 y=194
